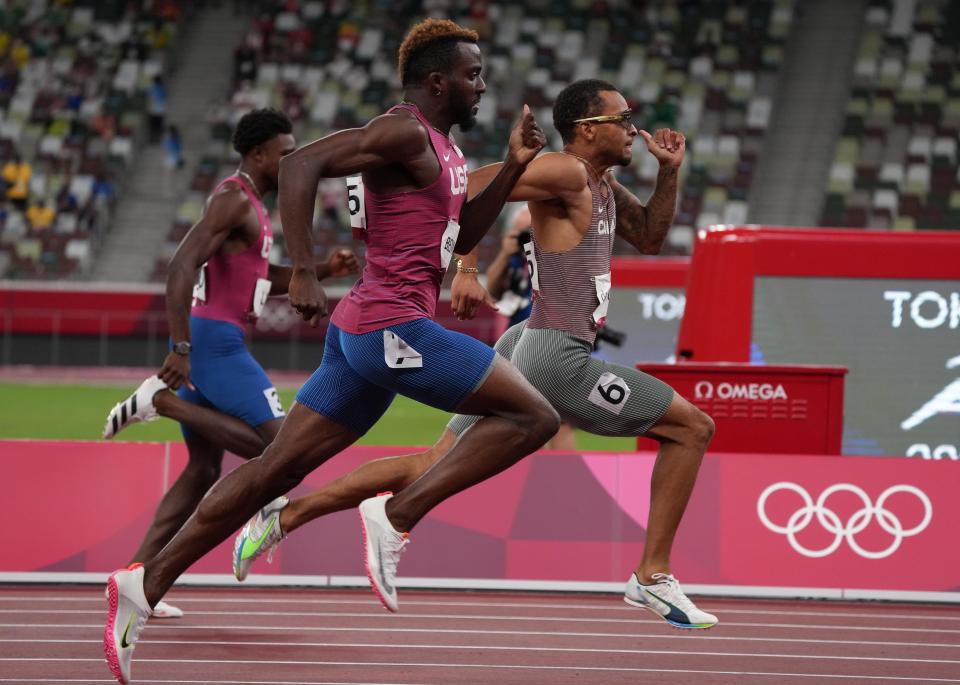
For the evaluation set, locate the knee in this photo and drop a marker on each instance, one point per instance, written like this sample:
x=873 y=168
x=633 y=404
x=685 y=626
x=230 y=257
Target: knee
x=204 y=473
x=278 y=474
x=700 y=428
x=543 y=423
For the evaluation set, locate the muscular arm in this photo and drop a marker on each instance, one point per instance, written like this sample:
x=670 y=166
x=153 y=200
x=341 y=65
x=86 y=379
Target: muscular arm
x=341 y=263
x=479 y=213
x=551 y=175
x=225 y=211
x=645 y=227
x=388 y=139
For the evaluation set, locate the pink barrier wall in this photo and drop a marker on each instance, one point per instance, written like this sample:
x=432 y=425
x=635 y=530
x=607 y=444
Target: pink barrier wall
x=754 y=520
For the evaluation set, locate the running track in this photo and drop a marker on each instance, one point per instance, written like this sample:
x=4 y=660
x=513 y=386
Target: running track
x=52 y=634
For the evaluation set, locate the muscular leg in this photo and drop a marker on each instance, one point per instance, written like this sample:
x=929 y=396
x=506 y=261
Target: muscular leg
x=346 y=492
x=227 y=431
x=683 y=432
x=199 y=475
x=305 y=441
x=517 y=420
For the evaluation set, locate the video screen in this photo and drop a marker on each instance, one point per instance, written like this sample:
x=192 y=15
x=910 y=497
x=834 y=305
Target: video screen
x=650 y=320
x=900 y=338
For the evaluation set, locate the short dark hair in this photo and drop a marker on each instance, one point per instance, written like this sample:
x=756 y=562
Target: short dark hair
x=577 y=101
x=257 y=127
x=430 y=46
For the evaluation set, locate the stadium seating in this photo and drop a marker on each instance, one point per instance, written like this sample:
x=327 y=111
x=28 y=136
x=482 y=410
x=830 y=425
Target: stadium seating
x=895 y=165
x=72 y=86
x=708 y=69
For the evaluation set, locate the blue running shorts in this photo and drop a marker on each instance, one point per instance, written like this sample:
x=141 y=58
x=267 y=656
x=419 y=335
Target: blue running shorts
x=361 y=373
x=226 y=375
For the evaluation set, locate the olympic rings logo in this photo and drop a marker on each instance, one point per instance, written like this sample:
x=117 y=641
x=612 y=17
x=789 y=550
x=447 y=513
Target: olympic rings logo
x=827 y=518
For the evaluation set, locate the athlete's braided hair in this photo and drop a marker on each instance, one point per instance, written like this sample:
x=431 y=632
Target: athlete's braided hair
x=430 y=47
x=577 y=101
x=257 y=127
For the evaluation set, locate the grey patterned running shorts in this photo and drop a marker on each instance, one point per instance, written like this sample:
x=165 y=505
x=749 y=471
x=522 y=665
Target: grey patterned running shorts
x=588 y=393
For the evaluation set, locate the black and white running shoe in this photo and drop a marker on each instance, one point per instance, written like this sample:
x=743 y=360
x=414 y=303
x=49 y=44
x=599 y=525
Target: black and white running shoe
x=138 y=408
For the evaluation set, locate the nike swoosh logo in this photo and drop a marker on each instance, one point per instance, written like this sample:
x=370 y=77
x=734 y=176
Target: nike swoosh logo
x=123 y=639
x=446 y=156
x=251 y=546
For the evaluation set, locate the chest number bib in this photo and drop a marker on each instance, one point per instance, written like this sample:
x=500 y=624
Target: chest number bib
x=448 y=243
x=200 y=287
x=602 y=284
x=358 y=213
x=260 y=294
x=534 y=273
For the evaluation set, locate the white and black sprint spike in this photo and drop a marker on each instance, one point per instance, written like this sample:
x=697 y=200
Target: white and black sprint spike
x=138 y=408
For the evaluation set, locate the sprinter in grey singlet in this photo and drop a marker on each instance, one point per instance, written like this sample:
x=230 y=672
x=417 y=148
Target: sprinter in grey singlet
x=578 y=208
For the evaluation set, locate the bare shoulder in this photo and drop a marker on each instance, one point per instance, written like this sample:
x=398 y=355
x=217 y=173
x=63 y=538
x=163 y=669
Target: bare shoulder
x=227 y=206
x=565 y=172
x=401 y=131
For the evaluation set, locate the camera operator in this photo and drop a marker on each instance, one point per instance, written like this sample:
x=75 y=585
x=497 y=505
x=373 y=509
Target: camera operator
x=507 y=277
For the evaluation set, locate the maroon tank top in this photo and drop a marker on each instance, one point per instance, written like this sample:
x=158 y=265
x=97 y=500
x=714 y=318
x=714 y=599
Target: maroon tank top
x=229 y=286
x=410 y=238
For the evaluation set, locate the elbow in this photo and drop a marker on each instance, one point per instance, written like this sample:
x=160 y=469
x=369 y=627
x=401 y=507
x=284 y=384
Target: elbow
x=287 y=164
x=297 y=163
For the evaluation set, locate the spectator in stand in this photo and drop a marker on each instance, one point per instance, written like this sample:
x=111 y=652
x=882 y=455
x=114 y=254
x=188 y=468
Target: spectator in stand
x=245 y=61
x=15 y=226
x=66 y=199
x=17 y=173
x=157 y=108
x=172 y=146
x=104 y=123
x=41 y=214
x=103 y=188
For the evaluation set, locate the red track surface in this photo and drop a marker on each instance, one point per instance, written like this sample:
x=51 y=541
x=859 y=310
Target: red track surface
x=52 y=634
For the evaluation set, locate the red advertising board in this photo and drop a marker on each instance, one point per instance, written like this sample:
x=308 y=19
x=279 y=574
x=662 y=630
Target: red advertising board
x=769 y=408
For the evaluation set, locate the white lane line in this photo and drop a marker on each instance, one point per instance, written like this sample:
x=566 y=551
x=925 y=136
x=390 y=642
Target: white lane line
x=614 y=605
x=672 y=635
x=552 y=650
x=532 y=667
x=641 y=618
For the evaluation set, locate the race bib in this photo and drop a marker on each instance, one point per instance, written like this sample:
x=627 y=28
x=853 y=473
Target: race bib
x=200 y=287
x=273 y=401
x=260 y=295
x=398 y=354
x=602 y=284
x=531 y=256
x=358 y=213
x=610 y=392
x=448 y=243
